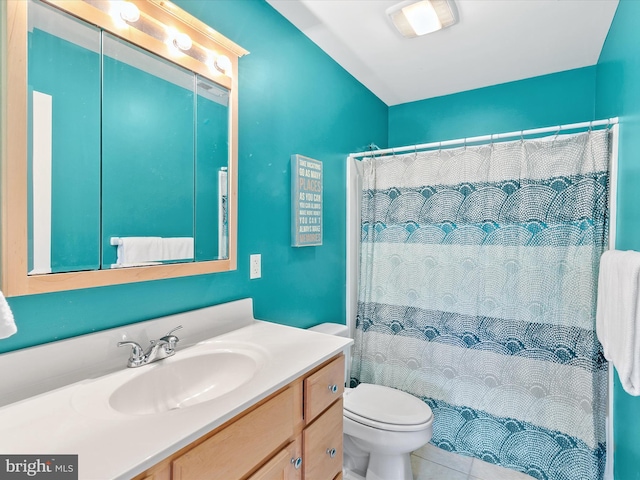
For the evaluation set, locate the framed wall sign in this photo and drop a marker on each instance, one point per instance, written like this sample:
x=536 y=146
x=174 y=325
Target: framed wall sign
x=306 y=201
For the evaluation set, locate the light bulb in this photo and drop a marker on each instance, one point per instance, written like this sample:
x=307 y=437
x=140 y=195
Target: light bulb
x=422 y=17
x=182 y=41
x=223 y=64
x=129 y=12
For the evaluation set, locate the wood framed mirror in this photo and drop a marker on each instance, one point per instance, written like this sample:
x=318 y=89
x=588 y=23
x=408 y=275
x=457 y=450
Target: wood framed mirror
x=63 y=222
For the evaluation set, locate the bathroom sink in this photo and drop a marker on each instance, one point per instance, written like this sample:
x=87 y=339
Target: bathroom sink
x=202 y=373
x=183 y=382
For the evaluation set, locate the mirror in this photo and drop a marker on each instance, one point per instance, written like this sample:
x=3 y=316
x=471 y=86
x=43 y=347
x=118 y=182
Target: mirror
x=127 y=139
x=164 y=151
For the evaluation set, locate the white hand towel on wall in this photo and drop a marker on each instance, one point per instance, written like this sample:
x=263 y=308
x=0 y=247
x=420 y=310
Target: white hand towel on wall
x=618 y=315
x=177 y=248
x=7 y=322
x=137 y=250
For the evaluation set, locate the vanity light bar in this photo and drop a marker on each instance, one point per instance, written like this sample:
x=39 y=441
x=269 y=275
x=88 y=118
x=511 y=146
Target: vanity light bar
x=173 y=33
x=178 y=42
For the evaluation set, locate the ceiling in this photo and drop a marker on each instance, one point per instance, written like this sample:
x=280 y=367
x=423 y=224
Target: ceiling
x=495 y=41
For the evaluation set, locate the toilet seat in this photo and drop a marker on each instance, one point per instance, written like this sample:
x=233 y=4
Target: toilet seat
x=386 y=408
x=389 y=427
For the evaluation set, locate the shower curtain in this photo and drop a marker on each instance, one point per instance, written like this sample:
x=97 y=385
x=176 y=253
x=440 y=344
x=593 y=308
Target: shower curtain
x=477 y=294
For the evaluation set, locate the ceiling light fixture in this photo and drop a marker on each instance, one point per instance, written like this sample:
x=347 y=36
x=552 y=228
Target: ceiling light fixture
x=414 y=18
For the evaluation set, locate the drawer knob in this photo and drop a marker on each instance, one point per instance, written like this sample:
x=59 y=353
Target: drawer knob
x=331 y=452
x=297 y=462
x=333 y=388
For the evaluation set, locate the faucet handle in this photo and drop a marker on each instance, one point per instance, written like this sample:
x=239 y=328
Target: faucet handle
x=171 y=331
x=136 y=352
x=171 y=339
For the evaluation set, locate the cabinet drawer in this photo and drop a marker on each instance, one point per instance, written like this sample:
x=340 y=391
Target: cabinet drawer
x=318 y=441
x=236 y=449
x=323 y=388
x=283 y=465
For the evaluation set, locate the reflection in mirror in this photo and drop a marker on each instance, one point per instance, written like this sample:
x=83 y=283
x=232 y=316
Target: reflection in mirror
x=148 y=139
x=212 y=152
x=64 y=143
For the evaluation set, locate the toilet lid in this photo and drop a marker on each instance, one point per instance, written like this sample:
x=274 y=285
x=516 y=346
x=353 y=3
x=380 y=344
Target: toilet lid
x=385 y=405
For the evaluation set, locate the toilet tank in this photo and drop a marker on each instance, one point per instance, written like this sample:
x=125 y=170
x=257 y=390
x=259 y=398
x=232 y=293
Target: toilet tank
x=331 y=329
x=339 y=331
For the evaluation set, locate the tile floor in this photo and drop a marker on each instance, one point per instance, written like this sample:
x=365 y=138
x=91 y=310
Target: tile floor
x=433 y=463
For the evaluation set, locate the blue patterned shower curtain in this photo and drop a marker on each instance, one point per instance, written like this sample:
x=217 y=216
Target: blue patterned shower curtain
x=478 y=291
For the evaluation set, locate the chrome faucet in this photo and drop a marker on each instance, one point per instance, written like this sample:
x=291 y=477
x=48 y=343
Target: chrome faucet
x=157 y=350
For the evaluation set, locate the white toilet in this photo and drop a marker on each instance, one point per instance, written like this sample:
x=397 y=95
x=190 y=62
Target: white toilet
x=382 y=426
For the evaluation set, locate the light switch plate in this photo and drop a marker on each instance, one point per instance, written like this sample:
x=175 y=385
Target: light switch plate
x=255 y=267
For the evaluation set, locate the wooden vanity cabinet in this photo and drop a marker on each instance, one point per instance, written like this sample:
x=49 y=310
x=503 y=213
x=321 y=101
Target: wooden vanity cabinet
x=294 y=434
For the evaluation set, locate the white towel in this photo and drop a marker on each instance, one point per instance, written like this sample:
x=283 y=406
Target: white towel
x=177 y=248
x=137 y=250
x=618 y=315
x=7 y=322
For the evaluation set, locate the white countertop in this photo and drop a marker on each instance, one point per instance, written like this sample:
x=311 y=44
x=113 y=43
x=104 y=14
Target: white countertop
x=112 y=445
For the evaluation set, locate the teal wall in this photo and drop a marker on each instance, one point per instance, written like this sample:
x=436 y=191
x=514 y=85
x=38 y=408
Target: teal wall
x=293 y=99
x=618 y=94
x=555 y=99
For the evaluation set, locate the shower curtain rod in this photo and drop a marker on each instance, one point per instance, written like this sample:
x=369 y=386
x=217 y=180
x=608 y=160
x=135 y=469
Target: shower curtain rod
x=484 y=138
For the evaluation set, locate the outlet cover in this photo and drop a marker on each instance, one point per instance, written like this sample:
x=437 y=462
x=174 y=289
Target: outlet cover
x=255 y=267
